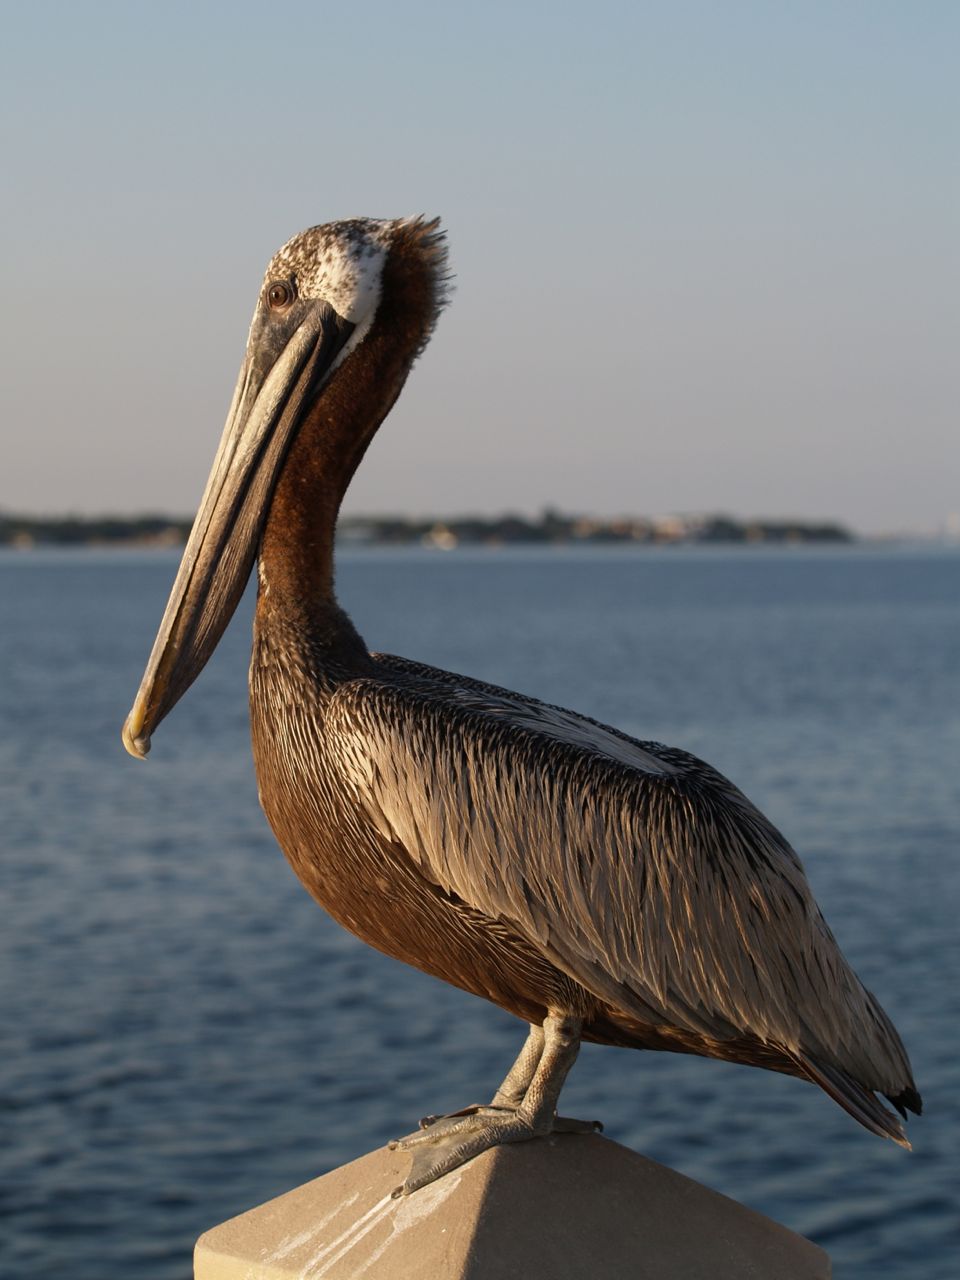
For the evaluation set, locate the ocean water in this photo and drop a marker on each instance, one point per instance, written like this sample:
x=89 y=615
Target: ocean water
x=184 y=1034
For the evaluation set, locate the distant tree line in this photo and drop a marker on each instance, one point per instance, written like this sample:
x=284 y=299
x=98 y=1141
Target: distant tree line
x=78 y=531
x=553 y=527
x=549 y=527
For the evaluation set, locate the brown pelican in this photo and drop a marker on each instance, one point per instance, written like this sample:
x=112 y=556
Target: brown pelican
x=596 y=886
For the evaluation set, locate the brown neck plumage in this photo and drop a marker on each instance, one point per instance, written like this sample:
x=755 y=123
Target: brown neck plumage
x=296 y=551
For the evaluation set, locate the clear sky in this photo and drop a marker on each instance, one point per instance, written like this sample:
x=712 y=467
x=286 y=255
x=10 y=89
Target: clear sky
x=706 y=253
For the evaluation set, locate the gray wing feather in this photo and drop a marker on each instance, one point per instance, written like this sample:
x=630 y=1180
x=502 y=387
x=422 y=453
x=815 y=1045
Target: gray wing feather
x=639 y=870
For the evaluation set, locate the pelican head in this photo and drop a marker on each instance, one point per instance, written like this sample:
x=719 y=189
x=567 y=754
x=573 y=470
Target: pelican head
x=318 y=301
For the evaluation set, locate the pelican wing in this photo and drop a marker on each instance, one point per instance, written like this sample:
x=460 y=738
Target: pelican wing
x=638 y=870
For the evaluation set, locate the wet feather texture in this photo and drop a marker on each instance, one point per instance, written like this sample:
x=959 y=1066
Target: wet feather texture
x=680 y=914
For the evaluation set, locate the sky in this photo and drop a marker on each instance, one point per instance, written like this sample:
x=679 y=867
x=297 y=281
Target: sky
x=706 y=254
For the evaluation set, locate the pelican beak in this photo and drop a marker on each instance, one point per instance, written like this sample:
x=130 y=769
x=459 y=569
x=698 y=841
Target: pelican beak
x=288 y=360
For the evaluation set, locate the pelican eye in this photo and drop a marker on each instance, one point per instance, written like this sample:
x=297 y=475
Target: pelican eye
x=279 y=294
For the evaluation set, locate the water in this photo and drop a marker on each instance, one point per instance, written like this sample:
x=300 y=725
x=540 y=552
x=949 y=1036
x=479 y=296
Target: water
x=183 y=1034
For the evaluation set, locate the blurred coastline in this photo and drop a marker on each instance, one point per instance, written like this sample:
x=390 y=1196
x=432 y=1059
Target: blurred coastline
x=551 y=527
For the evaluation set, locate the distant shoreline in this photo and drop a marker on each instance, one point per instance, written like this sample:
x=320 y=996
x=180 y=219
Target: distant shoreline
x=551 y=528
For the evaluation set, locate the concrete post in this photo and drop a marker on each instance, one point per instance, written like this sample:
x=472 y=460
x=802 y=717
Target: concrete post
x=567 y=1207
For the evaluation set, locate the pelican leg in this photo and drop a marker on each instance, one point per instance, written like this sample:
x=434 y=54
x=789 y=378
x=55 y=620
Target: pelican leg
x=517 y=1080
x=515 y=1084
x=525 y=1107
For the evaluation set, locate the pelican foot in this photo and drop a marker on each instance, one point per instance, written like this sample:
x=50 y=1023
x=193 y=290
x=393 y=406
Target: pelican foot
x=453 y=1140
x=525 y=1106
x=427 y=1122
x=434 y=1129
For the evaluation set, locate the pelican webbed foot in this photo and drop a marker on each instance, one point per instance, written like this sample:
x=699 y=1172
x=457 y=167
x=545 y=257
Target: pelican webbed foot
x=524 y=1107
